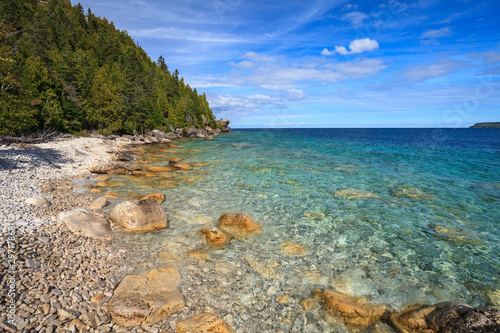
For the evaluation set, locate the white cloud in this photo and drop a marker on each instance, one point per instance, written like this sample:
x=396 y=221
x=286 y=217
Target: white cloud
x=442 y=32
x=189 y=35
x=356 y=46
x=360 y=69
x=349 y=7
x=425 y=72
x=259 y=58
x=244 y=64
x=356 y=18
x=325 y=52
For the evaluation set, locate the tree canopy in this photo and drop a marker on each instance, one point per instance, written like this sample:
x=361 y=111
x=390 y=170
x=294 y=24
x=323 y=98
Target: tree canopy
x=63 y=69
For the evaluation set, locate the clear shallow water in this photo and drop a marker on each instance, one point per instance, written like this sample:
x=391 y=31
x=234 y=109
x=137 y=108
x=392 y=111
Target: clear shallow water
x=429 y=233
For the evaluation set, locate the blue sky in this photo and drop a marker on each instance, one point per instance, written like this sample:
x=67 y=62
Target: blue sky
x=426 y=63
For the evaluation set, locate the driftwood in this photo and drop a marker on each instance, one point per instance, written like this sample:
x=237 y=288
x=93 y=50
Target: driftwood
x=38 y=137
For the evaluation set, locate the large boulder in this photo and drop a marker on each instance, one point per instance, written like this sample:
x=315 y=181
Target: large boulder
x=356 y=313
x=143 y=300
x=81 y=221
x=203 y=323
x=223 y=122
x=239 y=224
x=447 y=317
x=193 y=132
x=139 y=215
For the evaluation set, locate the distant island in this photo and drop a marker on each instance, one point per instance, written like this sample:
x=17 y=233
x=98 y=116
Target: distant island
x=486 y=125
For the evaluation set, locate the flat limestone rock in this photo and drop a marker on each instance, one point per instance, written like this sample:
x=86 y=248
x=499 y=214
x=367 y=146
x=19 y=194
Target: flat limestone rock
x=38 y=202
x=203 y=323
x=88 y=223
x=98 y=203
x=356 y=313
x=239 y=224
x=353 y=194
x=139 y=215
x=143 y=300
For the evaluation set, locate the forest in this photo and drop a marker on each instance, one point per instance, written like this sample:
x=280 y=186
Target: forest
x=67 y=70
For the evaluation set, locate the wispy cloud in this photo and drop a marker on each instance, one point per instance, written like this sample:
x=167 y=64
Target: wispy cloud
x=355 y=18
x=188 y=35
x=442 y=32
x=426 y=72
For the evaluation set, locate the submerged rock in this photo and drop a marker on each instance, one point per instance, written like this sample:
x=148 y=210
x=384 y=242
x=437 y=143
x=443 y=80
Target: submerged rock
x=160 y=197
x=294 y=249
x=356 y=313
x=142 y=300
x=89 y=224
x=409 y=192
x=214 y=237
x=139 y=215
x=203 y=323
x=353 y=194
x=447 y=317
x=239 y=224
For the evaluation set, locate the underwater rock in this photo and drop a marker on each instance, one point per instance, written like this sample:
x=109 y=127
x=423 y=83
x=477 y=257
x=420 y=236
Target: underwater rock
x=98 y=203
x=168 y=184
x=142 y=300
x=89 y=224
x=199 y=254
x=203 y=323
x=410 y=193
x=139 y=215
x=111 y=195
x=158 y=169
x=356 y=313
x=455 y=235
x=314 y=215
x=447 y=317
x=109 y=184
x=155 y=196
x=294 y=249
x=239 y=224
x=214 y=237
x=179 y=165
x=353 y=194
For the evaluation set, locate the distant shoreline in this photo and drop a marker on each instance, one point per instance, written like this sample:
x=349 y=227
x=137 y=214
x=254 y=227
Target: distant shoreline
x=486 y=125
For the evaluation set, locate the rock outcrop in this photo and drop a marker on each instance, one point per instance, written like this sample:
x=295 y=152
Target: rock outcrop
x=447 y=317
x=239 y=224
x=203 y=323
x=356 y=313
x=193 y=132
x=87 y=223
x=139 y=215
x=142 y=300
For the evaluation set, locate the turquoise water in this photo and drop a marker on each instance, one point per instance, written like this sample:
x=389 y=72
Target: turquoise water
x=428 y=232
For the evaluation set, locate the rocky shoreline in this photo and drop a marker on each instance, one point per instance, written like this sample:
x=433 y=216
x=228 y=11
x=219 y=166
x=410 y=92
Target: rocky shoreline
x=63 y=282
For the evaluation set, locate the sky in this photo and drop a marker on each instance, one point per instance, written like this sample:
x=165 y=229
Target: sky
x=320 y=63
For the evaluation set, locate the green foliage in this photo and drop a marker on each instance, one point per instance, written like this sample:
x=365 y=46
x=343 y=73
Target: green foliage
x=62 y=69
